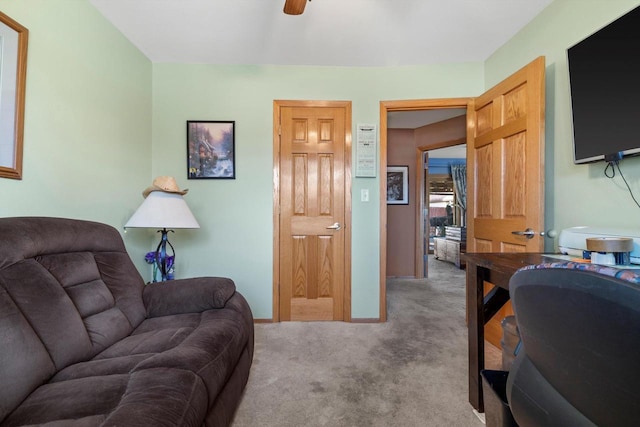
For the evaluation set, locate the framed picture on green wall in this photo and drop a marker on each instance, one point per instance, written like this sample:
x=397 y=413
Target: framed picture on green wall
x=397 y=185
x=211 y=149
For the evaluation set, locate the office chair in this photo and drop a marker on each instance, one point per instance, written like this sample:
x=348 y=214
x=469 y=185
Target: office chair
x=579 y=364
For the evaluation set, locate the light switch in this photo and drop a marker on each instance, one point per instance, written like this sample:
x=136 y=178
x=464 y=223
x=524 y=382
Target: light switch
x=364 y=195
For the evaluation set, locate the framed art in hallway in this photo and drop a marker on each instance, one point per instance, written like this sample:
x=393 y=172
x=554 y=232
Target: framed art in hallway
x=211 y=149
x=397 y=185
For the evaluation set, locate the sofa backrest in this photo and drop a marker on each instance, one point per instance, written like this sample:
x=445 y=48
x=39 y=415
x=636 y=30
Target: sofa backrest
x=68 y=290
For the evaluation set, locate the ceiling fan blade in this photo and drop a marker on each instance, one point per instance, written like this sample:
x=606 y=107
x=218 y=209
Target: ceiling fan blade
x=294 y=7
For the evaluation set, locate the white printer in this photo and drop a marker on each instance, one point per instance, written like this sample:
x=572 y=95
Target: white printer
x=573 y=240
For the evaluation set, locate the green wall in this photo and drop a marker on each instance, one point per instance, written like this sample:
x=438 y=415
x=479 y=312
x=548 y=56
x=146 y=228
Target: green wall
x=575 y=194
x=101 y=121
x=87 y=137
x=236 y=238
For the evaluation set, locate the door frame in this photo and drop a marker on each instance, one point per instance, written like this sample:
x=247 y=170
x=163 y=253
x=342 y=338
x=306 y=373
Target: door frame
x=277 y=105
x=385 y=108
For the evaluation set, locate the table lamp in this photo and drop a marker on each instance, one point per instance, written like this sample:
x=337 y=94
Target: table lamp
x=165 y=209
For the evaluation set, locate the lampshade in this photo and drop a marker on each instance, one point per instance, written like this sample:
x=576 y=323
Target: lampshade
x=163 y=210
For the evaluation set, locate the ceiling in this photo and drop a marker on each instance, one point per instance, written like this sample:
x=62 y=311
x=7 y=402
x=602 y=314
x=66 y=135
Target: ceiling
x=417 y=118
x=329 y=32
x=455 y=152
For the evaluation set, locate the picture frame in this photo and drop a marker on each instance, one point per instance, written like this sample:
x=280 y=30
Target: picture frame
x=14 y=39
x=211 y=149
x=397 y=185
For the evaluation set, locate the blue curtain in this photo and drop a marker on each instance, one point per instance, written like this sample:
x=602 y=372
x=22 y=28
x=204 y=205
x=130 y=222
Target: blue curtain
x=459 y=174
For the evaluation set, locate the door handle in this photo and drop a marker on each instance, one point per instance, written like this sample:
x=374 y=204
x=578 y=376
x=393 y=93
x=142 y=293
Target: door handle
x=530 y=234
x=336 y=226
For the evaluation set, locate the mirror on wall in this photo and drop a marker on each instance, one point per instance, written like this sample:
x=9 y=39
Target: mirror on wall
x=13 y=73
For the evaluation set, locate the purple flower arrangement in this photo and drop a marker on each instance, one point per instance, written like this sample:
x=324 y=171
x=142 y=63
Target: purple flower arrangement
x=150 y=258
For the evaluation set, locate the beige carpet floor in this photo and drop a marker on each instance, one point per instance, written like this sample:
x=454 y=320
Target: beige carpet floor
x=408 y=371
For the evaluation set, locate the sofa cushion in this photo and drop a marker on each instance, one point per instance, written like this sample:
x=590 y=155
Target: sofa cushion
x=98 y=281
x=49 y=311
x=155 y=397
x=211 y=350
x=85 y=397
x=207 y=343
x=28 y=237
x=187 y=295
x=161 y=397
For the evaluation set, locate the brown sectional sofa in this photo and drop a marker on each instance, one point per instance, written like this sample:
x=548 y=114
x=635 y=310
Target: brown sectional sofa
x=84 y=342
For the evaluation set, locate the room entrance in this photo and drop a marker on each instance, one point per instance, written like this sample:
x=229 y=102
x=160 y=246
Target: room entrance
x=421 y=139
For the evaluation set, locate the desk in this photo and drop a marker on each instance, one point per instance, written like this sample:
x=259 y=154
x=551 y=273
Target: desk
x=496 y=268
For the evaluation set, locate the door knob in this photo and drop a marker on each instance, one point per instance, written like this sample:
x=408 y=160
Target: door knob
x=529 y=233
x=335 y=226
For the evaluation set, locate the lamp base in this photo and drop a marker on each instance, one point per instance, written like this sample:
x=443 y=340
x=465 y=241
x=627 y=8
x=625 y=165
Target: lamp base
x=163 y=261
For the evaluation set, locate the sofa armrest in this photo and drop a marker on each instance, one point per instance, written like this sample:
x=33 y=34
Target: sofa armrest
x=187 y=295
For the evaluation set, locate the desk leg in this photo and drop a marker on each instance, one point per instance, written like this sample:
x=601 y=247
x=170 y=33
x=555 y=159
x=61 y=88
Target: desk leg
x=475 y=321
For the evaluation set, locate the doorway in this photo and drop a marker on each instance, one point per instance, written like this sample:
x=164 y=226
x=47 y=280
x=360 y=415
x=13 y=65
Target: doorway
x=411 y=136
x=387 y=107
x=444 y=233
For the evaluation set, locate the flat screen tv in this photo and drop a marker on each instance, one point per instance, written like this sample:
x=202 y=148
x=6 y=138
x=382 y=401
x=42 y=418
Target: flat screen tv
x=604 y=74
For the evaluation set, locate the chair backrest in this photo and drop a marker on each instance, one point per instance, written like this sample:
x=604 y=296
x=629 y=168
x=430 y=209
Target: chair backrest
x=580 y=359
x=68 y=290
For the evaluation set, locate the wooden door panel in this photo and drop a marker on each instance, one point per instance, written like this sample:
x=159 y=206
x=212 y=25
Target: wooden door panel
x=484 y=120
x=299 y=176
x=515 y=103
x=513 y=247
x=313 y=272
x=499 y=230
x=325 y=184
x=302 y=285
x=312 y=254
x=300 y=129
x=325 y=131
x=312 y=310
x=484 y=182
x=483 y=245
x=514 y=205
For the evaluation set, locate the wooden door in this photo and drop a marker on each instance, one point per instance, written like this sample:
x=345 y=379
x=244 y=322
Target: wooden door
x=505 y=158
x=506 y=164
x=314 y=169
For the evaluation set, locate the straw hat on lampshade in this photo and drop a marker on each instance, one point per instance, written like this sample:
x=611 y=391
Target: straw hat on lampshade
x=167 y=184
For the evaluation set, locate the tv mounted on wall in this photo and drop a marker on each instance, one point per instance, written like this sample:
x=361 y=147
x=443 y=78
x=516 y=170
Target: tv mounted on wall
x=604 y=73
